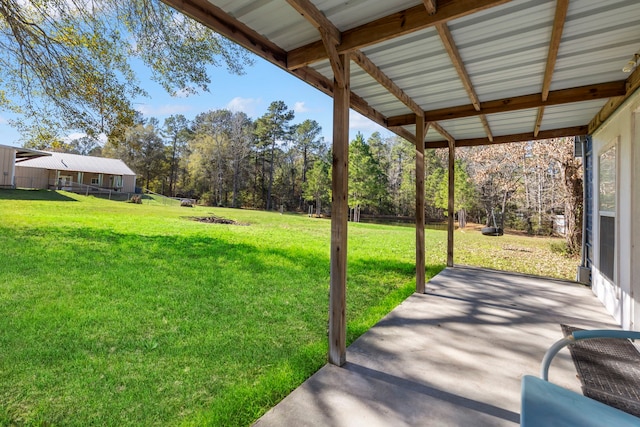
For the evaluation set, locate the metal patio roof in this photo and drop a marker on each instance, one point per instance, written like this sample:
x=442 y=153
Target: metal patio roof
x=479 y=71
x=25 y=153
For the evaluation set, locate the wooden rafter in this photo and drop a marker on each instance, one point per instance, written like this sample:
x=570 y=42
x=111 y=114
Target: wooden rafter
x=631 y=85
x=334 y=57
x=402 y=23
x=367 y=65
x=331 y=37
x=394 y=25
x=456 y=59
x=503 y=139
x=325 y=85
x=222 y=23
x=556 y=35
x=536 y=128
x=557 y=97
x=430 y=5
x=442 y=131
x=316 y=18
x=554 y=45
x=329 y=34
x=403 y=133
x=487 y=128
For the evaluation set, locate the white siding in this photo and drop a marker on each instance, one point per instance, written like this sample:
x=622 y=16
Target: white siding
x=32 y=177
x=621 y=127
x=7 y=160
x=128 y=183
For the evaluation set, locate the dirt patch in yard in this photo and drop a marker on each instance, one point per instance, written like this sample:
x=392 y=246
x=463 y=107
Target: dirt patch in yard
x=212 y=219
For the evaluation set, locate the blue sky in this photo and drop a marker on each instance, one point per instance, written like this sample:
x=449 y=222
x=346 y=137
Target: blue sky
x=252 y=93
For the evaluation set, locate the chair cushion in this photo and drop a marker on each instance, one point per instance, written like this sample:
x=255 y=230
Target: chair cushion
x=546 y=404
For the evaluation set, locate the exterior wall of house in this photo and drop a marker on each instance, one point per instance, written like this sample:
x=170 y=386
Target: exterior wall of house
x=31 y=177
x=7 y=162
x=618 y=294
x=129 y=184
x=28 y=177
x=635 y=217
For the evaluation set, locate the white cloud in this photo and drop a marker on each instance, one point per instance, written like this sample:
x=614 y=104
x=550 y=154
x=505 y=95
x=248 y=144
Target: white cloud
x=245 y=105
x=299 y=107
x=185 y=92
x=162 y=110
x=3 y=121
x=358 y=122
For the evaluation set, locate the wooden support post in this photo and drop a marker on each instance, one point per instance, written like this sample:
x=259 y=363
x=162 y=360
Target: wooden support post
x=339 y=214
x=420 y=248
x=451 y=204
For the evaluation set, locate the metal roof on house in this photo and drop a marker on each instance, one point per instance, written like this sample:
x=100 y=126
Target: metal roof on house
x=484 y=71
x=78 y=163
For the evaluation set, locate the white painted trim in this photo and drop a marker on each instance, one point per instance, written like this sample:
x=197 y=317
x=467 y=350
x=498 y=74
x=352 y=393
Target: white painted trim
x=13 y=170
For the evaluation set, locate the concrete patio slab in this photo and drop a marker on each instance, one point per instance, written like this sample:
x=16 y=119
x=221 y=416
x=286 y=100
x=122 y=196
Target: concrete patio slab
x=453 y=356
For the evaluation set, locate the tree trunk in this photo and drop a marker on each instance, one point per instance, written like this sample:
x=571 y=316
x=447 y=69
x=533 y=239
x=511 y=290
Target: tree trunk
x=504 y=208
x=236 y=176
x=273 y=149
x=573 y=206
x=174 y=167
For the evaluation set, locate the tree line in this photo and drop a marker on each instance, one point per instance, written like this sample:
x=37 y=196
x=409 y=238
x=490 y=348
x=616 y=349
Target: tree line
x=225 y=158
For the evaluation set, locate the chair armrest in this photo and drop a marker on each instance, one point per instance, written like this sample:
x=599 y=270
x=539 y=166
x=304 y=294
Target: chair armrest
x=581 y=335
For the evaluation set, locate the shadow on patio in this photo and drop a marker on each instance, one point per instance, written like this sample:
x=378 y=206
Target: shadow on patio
x=453 y=356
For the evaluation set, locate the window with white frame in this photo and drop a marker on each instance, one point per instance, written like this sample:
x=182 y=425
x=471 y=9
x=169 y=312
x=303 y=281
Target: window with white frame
x=607 y=196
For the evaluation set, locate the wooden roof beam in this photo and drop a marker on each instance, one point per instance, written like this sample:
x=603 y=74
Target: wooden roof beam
x=403 y=133
x=556 y=35
x=520 y=137
x=458 y=64
x=367 y=65
x=430 y=5
x=456 y=59
x=557 y=97
x=224 y=24
x=536 y=127
x=554 y=45
x=316 y=18
x=442 y=131
x=219 y=21
x=631 y=85
x=329 y=34
x=325 y=85
x=395 y=25
x=331 y=38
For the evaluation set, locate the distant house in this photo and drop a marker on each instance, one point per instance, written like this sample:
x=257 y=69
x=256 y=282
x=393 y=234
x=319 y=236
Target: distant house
x=73 y=172
x=9 y=156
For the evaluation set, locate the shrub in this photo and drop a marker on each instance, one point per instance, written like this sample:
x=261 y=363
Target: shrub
x=560 y=248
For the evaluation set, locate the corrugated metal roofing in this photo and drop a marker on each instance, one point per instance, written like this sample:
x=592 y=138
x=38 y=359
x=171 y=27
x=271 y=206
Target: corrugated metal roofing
x=503 y=47
x=77 y=163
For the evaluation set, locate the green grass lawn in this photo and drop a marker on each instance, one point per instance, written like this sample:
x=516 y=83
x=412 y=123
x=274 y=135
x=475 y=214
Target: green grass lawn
x=122 y=314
